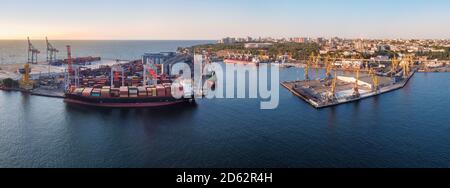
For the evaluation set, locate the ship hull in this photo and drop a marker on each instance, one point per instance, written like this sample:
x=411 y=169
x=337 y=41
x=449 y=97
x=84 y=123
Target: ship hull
x=144 y=102
x=232 y=61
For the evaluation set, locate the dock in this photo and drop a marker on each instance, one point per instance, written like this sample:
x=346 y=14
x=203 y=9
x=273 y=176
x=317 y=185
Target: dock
x=48 y=93
x=315 y=98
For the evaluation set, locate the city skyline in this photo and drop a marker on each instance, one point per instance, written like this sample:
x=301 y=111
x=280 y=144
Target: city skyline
x=213 y=20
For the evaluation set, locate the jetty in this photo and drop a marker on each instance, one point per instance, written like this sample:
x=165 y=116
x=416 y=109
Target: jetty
x=319 y=95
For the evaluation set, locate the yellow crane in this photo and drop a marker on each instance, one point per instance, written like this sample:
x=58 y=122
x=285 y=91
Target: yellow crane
x=394 y=65
x=356 y=87
x=328 y=69
x=406 y=66
x=332 y=94
x=25 y=83
x=26 y=76
x=355 y=58
x=375 y=81
x=310 y=61
x=317 y=62
x=333 y=85
x=411 y=63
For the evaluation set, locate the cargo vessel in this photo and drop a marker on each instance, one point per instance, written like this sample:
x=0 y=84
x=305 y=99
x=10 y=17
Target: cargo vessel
x=244 y=61
x=129 y=96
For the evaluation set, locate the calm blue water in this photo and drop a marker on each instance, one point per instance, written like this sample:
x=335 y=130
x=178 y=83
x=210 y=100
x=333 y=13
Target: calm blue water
x=14 y=51
x=405 y=128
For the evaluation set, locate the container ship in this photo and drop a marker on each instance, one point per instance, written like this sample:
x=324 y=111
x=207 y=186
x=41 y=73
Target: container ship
x=128 y=96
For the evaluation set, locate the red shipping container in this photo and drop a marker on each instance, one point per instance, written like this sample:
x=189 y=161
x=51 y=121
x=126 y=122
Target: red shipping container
x=168 y=90
x=160 y=91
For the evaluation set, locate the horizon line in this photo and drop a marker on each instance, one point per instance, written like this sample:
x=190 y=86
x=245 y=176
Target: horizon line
x=4 y=39
x=115 y=39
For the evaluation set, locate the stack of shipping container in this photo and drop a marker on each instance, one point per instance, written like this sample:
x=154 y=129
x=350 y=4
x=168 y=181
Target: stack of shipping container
x=159 y=90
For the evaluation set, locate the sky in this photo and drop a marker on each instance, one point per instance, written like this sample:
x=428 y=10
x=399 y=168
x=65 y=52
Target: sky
x=215 y=19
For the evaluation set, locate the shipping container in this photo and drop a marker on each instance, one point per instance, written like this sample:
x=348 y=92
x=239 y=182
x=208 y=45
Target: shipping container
x=123 y=91
x=154 y=92
x=79 y=91
x=168 y=90
x=142 y=91
x=87 y=92
x=133 y=91
x=151 y=92
x=106 y=93
x=160 y=91
x=96 y=92
x=115 y=92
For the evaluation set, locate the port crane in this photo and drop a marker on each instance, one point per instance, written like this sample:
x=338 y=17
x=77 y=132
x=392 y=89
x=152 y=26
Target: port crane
x=406 y=66
x=318 y=58
x=151 y=71
x=375 y=81
x=332 y=93
x=115 y=69
x=356 y=87
x=328 y=68
x=411 y=63
x=394 y=66
x=51 y=51
x=25 y=82
x=70 y=71
x=32 y=53
x=69 y=59
x=310 y=61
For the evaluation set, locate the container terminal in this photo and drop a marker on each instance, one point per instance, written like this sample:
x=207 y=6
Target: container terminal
x=347 y=84
x=94 y=81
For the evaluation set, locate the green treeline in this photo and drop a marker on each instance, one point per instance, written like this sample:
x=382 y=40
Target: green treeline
x=298 y=51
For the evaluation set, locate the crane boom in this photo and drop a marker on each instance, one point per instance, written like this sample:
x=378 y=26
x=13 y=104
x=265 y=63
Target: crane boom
x=51 y=51
x=356 y=87
x=32 y=52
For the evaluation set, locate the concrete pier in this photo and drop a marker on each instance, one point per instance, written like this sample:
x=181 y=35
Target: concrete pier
x=314 y=95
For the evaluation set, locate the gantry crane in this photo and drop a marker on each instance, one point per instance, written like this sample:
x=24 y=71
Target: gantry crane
x=317 y=64
x=406 y=66
x=394 y=65
x=32 y=53
x=356 y=86
x=357 y=57
x=411 y=63
x=367 y=66
x=70 y=71
x=115 y=69
x=310 y=61
x=328 y=67
x=375 y=81
x=51 y=52
x=332 y=93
